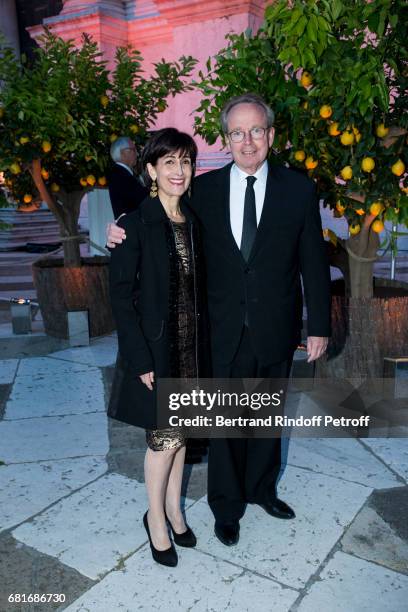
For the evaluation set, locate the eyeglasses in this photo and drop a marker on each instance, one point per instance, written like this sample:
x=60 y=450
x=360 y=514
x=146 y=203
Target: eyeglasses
x=256 y=133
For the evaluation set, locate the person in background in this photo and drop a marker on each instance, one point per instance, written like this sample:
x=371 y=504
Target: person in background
x=125 y=190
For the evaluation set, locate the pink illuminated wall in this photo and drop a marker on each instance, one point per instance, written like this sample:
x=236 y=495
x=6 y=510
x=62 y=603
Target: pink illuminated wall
x=162 y=29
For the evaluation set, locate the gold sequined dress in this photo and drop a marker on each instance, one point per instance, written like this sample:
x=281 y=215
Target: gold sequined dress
x=165 y=439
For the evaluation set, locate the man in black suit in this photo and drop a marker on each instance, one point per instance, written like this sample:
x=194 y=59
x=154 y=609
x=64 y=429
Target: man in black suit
x=125 y=190
x=261 y=232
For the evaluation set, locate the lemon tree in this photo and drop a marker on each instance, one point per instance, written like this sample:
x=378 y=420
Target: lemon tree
x=336 y=74
x=59 y=115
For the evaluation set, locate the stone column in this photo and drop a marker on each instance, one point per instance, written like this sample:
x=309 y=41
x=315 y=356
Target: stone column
x=8 y=24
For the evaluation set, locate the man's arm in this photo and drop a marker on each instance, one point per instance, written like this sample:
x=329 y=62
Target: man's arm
x=315 y=272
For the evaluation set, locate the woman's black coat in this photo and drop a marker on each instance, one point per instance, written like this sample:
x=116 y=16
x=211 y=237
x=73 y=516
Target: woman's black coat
x=144 y=290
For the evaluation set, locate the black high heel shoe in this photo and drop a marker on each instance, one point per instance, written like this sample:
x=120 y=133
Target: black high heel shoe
x=186 y=539
x=166 y=557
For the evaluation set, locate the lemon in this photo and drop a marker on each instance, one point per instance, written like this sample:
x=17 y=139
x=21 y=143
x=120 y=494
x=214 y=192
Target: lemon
x=340 y=208
x=398 y=168
x=357 y=134
x=113 y=137
x=382 y=131
x=368 y=164
x=134 y=128
x=15 y=168
x=377 y=226
x=325 y=111
x=24 y=139
x=360 y=211
x=346 y=173
x=306 y=79
x=300 y=156
x=354 y=229
x=104 y=101
x=310 y=163
x=46 y=146
x=102 y=181
x=45 y=174
x=83 y=181
x=347 y=138
x=55 y=187
x=28 y=198
x=91 y=180
x=334 y=129
x=376 y=208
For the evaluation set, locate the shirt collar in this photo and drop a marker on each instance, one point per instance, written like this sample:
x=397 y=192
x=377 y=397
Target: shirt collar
x=261 y=174
x=128 y=168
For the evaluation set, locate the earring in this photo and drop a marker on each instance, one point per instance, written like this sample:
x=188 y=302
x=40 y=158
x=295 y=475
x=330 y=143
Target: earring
x=153 y=189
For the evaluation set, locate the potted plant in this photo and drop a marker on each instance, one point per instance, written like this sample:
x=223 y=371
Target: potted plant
x=58 y=117
x=336 y=74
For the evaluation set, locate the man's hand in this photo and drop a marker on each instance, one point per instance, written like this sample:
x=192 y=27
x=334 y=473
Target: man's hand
x=316 y=346
x=148 y=380
x=114 y=235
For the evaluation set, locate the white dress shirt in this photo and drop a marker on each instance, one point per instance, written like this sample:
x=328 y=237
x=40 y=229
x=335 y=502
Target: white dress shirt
x=125 y=166
x=238 y=186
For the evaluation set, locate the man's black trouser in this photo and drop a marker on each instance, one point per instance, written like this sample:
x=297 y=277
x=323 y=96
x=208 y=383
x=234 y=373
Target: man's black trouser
x=244 y=470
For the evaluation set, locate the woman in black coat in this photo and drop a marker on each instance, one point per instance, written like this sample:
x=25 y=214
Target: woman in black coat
x=156 y=301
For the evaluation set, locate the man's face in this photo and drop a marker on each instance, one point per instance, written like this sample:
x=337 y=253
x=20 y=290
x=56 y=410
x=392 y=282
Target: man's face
x=128 y=155
x=250 y=153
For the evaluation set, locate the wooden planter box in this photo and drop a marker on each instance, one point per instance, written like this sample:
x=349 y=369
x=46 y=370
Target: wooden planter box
x=365 y=330
x=60 y=290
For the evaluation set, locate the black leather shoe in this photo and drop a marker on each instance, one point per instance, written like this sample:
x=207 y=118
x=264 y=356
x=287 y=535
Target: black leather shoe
x=164 y=557
x=186 y=539
x=227 y=533
x=278 y=509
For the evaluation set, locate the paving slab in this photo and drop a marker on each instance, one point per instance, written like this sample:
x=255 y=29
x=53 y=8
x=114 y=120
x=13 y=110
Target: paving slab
x=28 y=488
x=370 y=537
x=101 y=352
x=93 y=528
x=355 y=585
x=41 y=439
x=42 y=366
x=393 y=451
x=200 y=583
x=54 y=394
x=8 y=368
x=288 y=551
x=342 y=458
x=25 y=570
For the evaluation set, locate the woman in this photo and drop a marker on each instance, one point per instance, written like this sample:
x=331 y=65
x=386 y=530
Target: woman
x=156 y=298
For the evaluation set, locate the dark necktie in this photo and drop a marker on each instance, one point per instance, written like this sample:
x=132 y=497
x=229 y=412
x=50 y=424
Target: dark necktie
x=249 y=222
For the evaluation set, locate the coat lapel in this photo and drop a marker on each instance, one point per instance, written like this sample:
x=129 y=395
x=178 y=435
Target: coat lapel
x=268 y=212
x=224 y=195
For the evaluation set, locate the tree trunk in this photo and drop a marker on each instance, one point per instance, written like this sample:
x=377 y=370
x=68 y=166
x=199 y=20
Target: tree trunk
x=71 y=204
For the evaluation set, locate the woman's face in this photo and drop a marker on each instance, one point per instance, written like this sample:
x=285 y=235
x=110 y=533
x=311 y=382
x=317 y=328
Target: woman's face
x=172 y=173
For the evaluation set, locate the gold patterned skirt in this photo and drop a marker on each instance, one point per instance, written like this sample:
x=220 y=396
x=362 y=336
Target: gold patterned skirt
x=173 y=438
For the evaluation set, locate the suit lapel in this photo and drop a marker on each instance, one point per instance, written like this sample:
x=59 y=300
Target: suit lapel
x=268 y=212
x=223 y=193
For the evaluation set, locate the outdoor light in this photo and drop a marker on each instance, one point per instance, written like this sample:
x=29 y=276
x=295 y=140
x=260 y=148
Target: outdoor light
x=20 y=315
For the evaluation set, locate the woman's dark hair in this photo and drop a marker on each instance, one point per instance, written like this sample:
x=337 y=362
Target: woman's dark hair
x=163 y=142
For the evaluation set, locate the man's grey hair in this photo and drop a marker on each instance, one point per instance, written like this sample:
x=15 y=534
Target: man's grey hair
x=248 y=98
x=116 y=147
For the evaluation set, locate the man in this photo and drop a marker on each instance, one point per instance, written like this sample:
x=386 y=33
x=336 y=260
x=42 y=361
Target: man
x=125 y=190
x=261 y=231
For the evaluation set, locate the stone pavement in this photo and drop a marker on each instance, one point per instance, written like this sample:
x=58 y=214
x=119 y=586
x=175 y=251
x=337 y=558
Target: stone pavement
x=72 y=498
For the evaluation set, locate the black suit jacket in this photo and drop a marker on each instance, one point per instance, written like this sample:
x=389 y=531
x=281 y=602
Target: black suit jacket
x=125 y=191
x=289 y=245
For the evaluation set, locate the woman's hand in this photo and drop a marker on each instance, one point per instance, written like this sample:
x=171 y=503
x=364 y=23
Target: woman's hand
x=148 y=380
